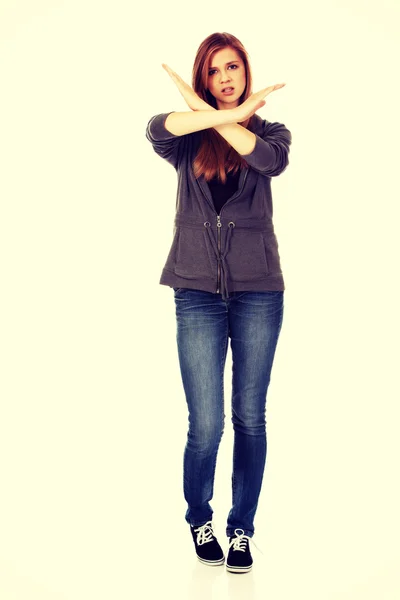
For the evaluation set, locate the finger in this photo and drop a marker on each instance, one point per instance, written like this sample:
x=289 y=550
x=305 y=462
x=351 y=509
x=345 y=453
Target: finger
x=175 y=78
x=262 y=93
x=271 y=88
x=268 y=89
x=170 y=72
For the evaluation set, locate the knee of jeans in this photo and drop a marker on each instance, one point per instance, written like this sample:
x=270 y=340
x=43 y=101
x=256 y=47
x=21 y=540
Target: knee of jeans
x=249 y=425
x=205 y=436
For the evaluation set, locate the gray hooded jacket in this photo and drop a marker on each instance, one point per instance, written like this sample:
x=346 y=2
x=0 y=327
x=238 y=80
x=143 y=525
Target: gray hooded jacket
x=236 y=250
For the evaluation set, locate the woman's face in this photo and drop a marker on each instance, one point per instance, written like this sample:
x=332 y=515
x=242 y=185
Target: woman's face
x=226 y=69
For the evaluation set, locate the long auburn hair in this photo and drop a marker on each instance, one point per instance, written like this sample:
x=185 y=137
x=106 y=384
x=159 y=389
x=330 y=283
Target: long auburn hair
x=215 y=156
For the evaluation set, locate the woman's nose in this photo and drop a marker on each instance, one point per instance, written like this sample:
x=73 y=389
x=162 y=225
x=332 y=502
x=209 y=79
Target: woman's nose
x=224 y=77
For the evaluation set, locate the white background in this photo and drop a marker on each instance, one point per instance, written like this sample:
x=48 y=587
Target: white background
x=93 y=415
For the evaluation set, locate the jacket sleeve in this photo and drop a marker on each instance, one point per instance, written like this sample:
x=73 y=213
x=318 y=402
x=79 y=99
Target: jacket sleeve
x=270 y=155
x=165 y=144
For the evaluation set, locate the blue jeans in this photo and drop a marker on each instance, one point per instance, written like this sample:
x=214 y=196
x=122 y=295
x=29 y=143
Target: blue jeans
x=205 y=321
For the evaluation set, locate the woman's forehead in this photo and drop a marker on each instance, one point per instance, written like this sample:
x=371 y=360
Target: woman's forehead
x=221 y=57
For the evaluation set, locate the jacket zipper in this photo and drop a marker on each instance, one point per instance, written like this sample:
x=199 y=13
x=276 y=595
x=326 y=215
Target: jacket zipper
x=237 y=193
x=219 y=225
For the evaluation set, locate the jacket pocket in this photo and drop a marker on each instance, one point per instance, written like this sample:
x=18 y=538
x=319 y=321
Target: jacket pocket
x=192 y=258
x=169 y=263
x=272 y=253
x=247 y=257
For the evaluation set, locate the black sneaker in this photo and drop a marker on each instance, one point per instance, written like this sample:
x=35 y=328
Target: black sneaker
x=207 y=547
x=239 y=557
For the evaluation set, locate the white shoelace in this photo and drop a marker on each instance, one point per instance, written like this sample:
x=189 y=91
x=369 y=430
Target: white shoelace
x=239 y=542
x=204 y=533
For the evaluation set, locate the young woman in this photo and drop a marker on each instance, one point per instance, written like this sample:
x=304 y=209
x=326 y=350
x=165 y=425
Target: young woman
x=224 y=267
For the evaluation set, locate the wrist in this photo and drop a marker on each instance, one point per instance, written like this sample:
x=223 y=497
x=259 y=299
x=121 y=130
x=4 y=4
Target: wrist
x=233 y=116
x=231 y=119
x=230 y=114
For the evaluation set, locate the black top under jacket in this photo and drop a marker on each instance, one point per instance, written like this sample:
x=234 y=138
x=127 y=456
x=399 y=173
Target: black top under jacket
x=221 y=192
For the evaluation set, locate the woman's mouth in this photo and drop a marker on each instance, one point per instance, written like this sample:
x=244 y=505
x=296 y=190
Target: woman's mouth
x=228 y=91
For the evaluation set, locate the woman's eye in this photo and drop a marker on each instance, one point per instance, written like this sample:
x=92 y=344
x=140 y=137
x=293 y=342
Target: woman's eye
x=212 y=70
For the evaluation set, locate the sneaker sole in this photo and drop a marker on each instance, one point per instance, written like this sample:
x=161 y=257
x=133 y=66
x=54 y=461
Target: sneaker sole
x=238 y=569
x=212 y=563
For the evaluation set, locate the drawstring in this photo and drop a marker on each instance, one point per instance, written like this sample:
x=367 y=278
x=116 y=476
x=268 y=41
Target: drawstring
x=221 y=257
x=246 y=224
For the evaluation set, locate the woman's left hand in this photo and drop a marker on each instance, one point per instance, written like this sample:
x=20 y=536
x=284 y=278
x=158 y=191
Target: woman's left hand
x=192 y=99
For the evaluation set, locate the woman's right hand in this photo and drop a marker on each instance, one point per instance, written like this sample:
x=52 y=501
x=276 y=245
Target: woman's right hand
x=254 y=102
